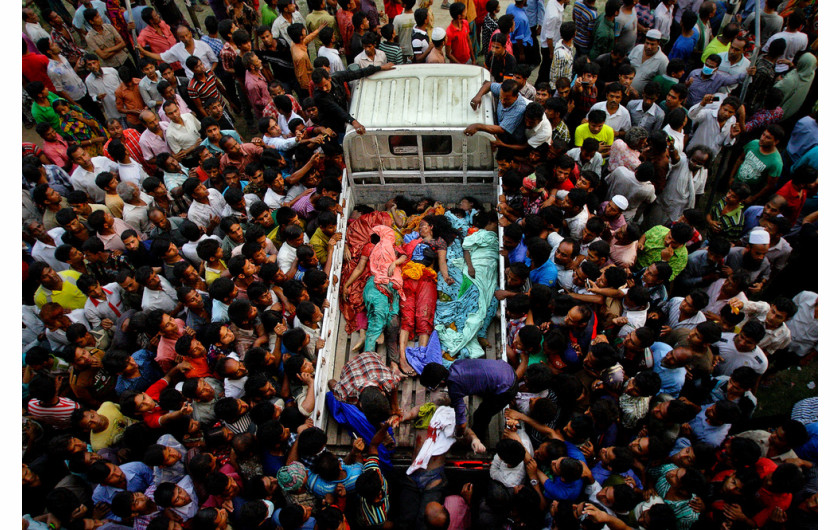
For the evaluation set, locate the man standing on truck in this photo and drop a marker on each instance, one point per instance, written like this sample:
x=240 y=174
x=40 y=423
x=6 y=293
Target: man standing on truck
x=333 y=99
x=510 y=112
x=493 y=380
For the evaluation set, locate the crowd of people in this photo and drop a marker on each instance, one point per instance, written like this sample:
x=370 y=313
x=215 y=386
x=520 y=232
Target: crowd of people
x=657 y=226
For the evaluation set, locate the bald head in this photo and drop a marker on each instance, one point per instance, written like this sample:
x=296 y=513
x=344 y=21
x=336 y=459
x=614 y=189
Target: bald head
x=436 y=516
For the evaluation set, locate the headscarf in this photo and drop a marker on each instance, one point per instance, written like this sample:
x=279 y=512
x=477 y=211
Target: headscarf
x=381 y=257
x=292 y=477
x=797 y=83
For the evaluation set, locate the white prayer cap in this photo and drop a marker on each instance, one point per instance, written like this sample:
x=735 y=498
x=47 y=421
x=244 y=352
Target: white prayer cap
x=759 y=236
x=620 y=201
x=438 y=34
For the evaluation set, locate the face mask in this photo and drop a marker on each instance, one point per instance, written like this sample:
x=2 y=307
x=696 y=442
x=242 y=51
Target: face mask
x=708 y=71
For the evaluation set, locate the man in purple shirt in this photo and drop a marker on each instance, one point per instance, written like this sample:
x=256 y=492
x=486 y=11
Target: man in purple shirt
x=492 y=380
x=709 y=80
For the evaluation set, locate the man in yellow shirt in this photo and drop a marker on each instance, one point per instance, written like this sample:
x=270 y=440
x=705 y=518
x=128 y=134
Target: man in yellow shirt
x=720 y=44
x=58 y=287
x=596 y=128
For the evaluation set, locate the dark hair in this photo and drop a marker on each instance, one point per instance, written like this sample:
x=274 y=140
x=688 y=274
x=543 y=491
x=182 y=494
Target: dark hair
x=433 y=374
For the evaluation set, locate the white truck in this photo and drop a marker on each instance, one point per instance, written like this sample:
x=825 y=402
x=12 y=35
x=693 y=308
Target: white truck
x=414 y=145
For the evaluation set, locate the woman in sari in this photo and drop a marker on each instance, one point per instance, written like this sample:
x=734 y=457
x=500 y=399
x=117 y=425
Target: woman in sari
x=355 y=267
x=77 y=126
x=424 y=247
x=462 y=321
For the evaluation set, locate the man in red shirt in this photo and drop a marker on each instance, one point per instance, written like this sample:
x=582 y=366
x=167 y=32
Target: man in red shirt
x=35 y=68
x=145 y=404
x=803 y=180
x=458 y=47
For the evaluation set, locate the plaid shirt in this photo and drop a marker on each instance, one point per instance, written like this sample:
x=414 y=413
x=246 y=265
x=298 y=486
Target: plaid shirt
x=365 y=370
x=731 y=224
x=227 y=56
x=764 y=117
x=215 y=44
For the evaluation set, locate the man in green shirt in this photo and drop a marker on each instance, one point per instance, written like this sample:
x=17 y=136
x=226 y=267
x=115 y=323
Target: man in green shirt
x=661 y=244
x=760 y=165
x=603 y=37
x=596 y=128
x=720 y=44
x=42 y=110
x=317 y=16
x=268 y=10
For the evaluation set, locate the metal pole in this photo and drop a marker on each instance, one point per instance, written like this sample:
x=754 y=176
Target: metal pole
x=757 y=50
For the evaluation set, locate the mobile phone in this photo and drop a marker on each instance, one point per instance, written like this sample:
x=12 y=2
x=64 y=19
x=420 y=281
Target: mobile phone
x=716 y=98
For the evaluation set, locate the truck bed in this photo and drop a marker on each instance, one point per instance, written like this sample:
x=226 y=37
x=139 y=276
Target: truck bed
x=411 y=393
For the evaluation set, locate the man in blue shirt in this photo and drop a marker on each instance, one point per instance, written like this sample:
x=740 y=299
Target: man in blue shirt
x=492 y=380
x=544 y=271
x=670 y=364
x=520 y=37
x=510 y=112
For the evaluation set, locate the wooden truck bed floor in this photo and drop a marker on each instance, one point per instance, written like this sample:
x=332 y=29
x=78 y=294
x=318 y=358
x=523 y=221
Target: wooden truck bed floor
x=411 y=393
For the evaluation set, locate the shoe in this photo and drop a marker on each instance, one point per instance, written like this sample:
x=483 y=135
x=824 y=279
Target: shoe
x=444 y=5
x=197 y=8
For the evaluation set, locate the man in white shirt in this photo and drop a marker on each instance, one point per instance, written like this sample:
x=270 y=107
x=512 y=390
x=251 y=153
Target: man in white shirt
x=236 y=375
x=158 y=293
x=273 y=135
x=618 y=117
x=537 y=126
x=183 y=134
x=663 y=16
x=742 y=350
x=329 y=50
x=102 y=84
x=636 y=187
x=370 y=56
x=104 y=302
x=795 y=39
x=208 y=206
x=648 y=59
x=182 y=50
x=63 y=75
x=550 y=35
x=84 y=176
x=45 y=244
x=734 y=62
x=716 y=127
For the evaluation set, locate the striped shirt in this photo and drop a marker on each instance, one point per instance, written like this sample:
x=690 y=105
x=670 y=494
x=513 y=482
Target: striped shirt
x=57 y=416
x=584 y=18
x=392 y=51
x=375 y=514
x=215 y=44
x=686 y=516
x=732 y=223
x=203 y=90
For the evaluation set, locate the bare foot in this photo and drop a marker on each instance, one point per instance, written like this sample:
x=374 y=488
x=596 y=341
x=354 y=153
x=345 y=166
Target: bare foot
x=358 y=345
x=380 y=339
x=407 y=369
x=395 y=369
x=484 y=343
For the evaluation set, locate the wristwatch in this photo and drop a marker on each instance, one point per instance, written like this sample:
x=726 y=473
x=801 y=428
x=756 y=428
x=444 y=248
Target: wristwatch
x=535 y=482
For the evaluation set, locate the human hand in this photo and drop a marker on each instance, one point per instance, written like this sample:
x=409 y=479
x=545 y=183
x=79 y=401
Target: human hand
x=359 y=445
x=387 y=66
x=697 y=505
x=307 y=424
x=477 y=446
x=307 y=378
x=340 y=490
x=471 y=271
x=280 y=328
x=664 y=331
x=107 y=323
x=467 y=492
x=667 y=253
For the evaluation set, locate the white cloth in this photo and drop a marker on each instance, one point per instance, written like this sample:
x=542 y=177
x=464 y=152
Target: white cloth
x=85 y=180
x=273 y=199
x=678 y=136
x=647 y=70
x=379 y=58
x=35 y=31
x=663 y=16
x=283 y=123
x=715 y=306
x=108 y=85
x=285 y=257
x=594 y=163
x=443 y=424
x=280 y=143
x=179 y=53
x=137 y=217
x=678 y=194
x=774 y=339
x=509 y=476
x=620 y=121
